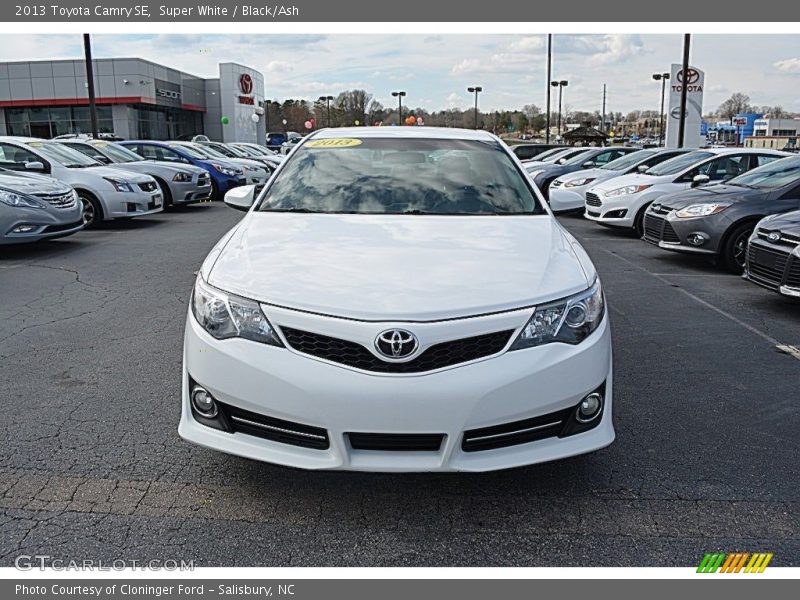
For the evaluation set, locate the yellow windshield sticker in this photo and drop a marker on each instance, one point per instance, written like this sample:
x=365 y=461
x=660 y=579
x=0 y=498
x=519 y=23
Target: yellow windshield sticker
x=100 y=144
x=35 y=144
x=334 y=143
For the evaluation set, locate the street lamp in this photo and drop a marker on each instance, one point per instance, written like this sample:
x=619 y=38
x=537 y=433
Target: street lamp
x=475 y=90
x=327 y=101
x=560 y=85
x=662 y=77
x=399 y=96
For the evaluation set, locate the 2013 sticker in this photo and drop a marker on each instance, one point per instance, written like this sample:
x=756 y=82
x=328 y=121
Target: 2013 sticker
x=333 y=143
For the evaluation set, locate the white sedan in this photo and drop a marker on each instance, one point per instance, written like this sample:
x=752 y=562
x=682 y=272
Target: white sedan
x=397 y=299
x=622 y=201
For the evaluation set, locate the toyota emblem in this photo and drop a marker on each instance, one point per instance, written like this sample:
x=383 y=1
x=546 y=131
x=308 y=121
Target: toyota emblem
x=692 y=76
x=774 y=236
x=396 y=343
x=246 y=83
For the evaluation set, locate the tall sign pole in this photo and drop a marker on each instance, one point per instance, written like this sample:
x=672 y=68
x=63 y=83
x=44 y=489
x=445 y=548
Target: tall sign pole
x=87 y=51
x=547 y=83
x=603 y=122
x=684 y=83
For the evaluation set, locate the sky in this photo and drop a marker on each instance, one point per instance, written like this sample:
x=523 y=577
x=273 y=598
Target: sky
x=435 y=70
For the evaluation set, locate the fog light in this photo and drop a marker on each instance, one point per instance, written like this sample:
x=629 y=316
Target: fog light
x=696 y=239
x=589 y=408
x=203 y=402
x=24 y=228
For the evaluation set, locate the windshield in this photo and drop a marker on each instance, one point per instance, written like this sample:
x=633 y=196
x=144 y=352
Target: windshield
x=246 y=151
x=68 y=157
x=627 y=161
x=209 y=152
x=227 y=152
x=192 y=151
x=549 y=153
x=118 y=154
x=564 y=154
x=578 y=158
x=680 y=163
x=773 y=175
x=401 y=176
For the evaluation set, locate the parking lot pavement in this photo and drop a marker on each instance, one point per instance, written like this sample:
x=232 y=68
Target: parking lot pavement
x=91 y=466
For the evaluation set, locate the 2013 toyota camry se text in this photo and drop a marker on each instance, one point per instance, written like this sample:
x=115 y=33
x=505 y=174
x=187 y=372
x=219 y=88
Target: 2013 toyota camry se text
x=397 y=299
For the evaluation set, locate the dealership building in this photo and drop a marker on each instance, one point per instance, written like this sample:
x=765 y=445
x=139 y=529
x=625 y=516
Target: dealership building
x=135 y=98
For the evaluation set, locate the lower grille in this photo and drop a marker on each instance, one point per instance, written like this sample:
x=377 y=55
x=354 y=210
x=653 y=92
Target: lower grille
x=767 y=265
x=593 y=199
x=652 y=228
x=59 y=200
x=353 y=354
x=64 y=227
x=277 y=430
x=203 y=181
x=793 y=274
x=669 y=235
x=148 y=186
x=396 y=442
x=518 y=432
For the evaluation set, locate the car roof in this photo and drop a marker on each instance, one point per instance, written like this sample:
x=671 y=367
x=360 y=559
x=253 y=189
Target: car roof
x=406 y=132
x=22 y=139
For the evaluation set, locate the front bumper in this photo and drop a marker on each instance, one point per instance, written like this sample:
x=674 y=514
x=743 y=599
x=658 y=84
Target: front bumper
x=122 y=205
x=197 y=190
x=773 y=266
x=283 y=384
x=49 y=224
x=566 y=199
x=618 y=211
x=673 y=234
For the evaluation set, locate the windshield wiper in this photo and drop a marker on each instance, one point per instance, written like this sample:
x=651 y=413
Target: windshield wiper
x=294 y=209
x=744 y=185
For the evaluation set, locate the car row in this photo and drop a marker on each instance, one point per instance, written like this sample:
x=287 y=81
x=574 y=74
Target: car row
x=53 y=188
x=736 y=205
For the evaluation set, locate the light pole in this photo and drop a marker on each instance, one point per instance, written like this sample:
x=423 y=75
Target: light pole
x=663 y=78
x=549 y=75
x=87 y=51
x=475 y=90
x=399 y=96
x=684 y=75
x=560 y=85
x=327 y=101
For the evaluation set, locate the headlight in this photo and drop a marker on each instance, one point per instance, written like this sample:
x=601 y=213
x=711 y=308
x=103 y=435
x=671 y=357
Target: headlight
x=628 y=189
x=579 y=182
x=18 y=200
x=227 y=316
x=229 y=171
x=119 y=185
x=569 y=320
x=702 y=210
x=183 y=176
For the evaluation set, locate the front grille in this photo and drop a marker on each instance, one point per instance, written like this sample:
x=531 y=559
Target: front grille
x=59 y=200
x=203 y=180
x=593 y=199
x=148 y=186
x=669 y=235
x=785 y=240
x=767 y=265
x=660 y=209
x=652 y=228
x=518 y=432
x=277 y=430
x=793 y=274
x=396 y=442
x=355 y=355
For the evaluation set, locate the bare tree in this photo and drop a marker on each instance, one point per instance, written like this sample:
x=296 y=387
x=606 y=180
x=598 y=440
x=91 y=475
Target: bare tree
x=738 y=103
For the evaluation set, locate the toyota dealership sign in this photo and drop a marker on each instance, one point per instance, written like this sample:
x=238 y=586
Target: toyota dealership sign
x=694 y=79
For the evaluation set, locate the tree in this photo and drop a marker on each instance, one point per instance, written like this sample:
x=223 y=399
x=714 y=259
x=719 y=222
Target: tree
x=736 y=104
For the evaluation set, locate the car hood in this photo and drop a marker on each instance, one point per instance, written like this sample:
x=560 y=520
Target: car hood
x=143 y=166
x=596 y=174
x=632 y=179
x=118 y=173
x=247 y=162
x=394 y=267
x=786 y=223
x=709 y=193
x=28 y=183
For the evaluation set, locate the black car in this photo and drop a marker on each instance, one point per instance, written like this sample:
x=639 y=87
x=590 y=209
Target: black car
x=773 y=254
x=528 y=151
x=717 y=220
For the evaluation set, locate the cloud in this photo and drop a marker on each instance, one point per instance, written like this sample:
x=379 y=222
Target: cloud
x=788 y=65
x=278 y=66
x=616 y=49
x=454 y=101
x=527 y=44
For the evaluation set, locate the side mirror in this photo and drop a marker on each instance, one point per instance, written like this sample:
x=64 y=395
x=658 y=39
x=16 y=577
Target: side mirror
x=700 y=180
x=588 y=164
x=102 y=159
x=642 y=168
x=241 y=198
x=34 y=165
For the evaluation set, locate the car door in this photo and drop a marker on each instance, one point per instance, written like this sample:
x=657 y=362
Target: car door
x=717 y=169
x=17 y=158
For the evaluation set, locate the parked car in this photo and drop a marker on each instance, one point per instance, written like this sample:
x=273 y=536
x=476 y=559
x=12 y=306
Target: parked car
x=260 y=153
x=292 y=141
x=275 y=140
x=589 y=159
x=549 y=157
x=529 y=151
x=254 y=171
x=180 y=183
x=224 y=174
x=105 y=192
x=567 y=192
x=773 y=258
x=35 y=207
x=621 y=202
x=370 y=312
x=717 y=220
x=266 y=159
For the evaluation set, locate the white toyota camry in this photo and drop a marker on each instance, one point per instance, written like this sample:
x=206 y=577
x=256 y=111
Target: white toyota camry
x=398 y=299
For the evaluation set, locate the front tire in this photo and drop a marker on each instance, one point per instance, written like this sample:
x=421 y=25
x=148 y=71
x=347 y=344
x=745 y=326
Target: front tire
x=734 y=250
x=92 y=211
x=638 y=222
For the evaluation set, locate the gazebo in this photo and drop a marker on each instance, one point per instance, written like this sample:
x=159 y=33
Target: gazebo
x=585 y=135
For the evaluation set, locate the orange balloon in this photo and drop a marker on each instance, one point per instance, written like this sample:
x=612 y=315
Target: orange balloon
x=411 y=120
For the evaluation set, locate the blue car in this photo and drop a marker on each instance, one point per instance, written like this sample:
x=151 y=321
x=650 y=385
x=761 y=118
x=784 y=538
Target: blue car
x=224 y=174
